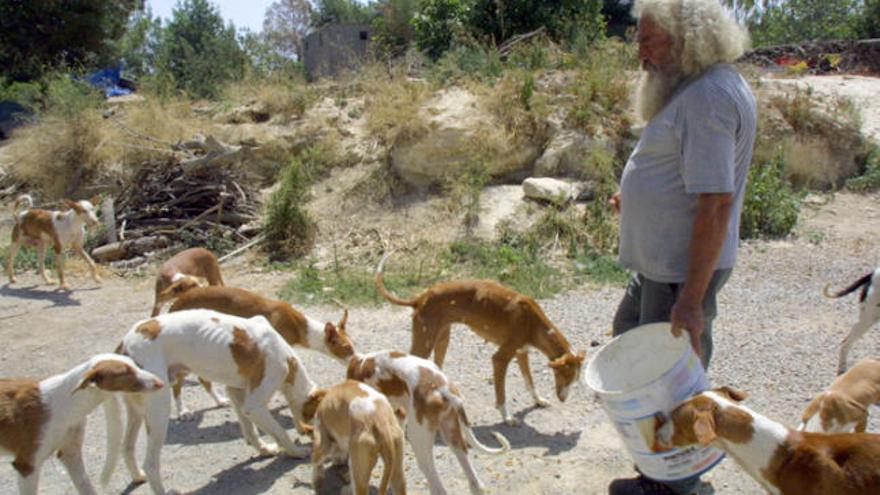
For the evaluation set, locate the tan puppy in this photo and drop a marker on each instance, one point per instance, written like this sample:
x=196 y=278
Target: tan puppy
x=510 y=320
x=845 y=404
x=189 y=263
x=36 y=227
x=296 y=328
x=353 y=420
x=782 y=460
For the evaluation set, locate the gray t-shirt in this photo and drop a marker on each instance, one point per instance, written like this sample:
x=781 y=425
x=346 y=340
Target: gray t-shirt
x=700 y=142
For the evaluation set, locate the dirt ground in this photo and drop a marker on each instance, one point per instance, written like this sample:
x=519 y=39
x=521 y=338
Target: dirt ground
x=775 y=337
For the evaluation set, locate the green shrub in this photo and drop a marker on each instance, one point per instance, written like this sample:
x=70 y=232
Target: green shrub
x=870 y=178
x=771 y=206
x=794 y=21
x=289 y=229
x=438 y=23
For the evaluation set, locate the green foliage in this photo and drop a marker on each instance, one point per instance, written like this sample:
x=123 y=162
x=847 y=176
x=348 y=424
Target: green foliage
x=288 y=228
x=218 y=241
x=870 y=178
x=393 y=29
x=138 y=45
x=266 y=61
x=197 y=51
x=341 y=11
x=28 y=94
x=869 y=27
x=770 y=207
x=439 y=23
x=599 y=268
x=795 y=21
x=26 y=258
x=468 y=60
x=68 y=98
x=563 y=19
x=39 y=35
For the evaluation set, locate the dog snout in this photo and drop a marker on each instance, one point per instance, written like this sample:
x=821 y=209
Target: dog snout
x=157 y=384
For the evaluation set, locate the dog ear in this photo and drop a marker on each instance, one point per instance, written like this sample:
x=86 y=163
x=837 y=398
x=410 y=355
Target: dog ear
x=88 y=379
x=69 y=203
x=95 y=200
x=331 y=334
x=704 y=427
x=344 y=319
x=732 y=393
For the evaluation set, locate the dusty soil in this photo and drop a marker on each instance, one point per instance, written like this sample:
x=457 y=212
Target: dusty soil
x=776 y=338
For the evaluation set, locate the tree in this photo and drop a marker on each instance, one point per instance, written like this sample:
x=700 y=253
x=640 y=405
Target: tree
x=564 y=19
x=286 y=24
x=138 y=46
x=795 y=21
x=36 y=35
x=198 y=51
x=340 y=11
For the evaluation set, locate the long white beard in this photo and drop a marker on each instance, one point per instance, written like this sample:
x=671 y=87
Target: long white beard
x=653 y=92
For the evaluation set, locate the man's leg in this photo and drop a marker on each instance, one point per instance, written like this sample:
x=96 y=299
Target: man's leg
x=646 y=301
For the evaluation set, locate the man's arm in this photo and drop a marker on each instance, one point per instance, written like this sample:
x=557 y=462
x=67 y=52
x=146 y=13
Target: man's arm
x=707 y=240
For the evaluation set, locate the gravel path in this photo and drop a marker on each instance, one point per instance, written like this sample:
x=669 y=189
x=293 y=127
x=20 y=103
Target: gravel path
x=776 y=338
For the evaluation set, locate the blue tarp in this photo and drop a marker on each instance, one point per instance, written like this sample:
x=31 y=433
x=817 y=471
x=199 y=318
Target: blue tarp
x=109 y=80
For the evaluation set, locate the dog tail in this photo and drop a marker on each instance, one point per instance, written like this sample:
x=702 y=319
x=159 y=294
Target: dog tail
x=114 y=438
x=472 y=439
x=380 y=286
x=863 y=282
x=25 y=201
x=391 y=450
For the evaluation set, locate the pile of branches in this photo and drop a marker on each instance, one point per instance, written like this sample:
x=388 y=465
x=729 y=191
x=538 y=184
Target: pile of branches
x=189 y=198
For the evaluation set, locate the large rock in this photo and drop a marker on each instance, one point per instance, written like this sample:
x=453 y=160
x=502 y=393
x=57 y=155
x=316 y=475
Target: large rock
x=461 y=128
x=551 y=190
x=568 y=154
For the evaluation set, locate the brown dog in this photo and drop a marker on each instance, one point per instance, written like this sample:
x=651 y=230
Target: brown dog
x=500 y=315
x=193 y=262
x=845 y=404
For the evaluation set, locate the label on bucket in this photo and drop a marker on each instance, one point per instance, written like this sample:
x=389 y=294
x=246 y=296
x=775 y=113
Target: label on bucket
x=636 y=414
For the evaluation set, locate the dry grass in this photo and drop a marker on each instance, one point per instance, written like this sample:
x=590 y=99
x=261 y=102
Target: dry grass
x=284 y=101
x=393 y=105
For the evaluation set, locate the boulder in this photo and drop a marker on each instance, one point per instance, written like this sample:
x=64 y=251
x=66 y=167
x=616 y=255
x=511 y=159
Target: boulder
x=551 y=190
x=459 y=129
x=567 y=153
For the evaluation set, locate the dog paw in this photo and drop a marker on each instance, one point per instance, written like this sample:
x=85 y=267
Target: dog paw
x=139 y=478
x=541 y=402
x=511 y=421
x=268 y=449
x=223 y=402
x=186 y=415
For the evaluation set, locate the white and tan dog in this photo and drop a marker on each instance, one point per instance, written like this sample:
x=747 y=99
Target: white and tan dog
x=37 y=227
x=190 y=264
x=247 y=355
x=353 y=421
x=508 y=319
x=432 y=403
x=296 y=328
x=784 y=461
x=844 y=406
x=40 y=418
x=869 y=312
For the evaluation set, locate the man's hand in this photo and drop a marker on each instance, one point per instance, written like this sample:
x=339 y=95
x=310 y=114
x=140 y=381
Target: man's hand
x=614 y=201
x=686 y=315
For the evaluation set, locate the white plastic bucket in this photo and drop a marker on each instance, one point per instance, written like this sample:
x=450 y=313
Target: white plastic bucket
x=640 y=376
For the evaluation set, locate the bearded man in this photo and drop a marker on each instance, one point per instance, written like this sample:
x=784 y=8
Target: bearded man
x=681 y=192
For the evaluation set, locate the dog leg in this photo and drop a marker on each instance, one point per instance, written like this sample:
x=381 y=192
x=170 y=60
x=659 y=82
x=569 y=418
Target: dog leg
x=452 y=436
x=362 y=455
x=440 y=346
x=256 y=409
x=59 y=265
x=157 y=409
x=27 y=485
x=422 y=440
x=218 y=399
x=135 y=409
x=857 y=331
x=500 y=362
x=92 y=267
x=423 y=337
x=41 y=258
x=522 y=359
x=248 y=431
x=183 y=413
x=70 y=455
x=321 y=444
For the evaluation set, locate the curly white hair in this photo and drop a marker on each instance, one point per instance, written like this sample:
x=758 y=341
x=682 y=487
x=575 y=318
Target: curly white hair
x=704 y=32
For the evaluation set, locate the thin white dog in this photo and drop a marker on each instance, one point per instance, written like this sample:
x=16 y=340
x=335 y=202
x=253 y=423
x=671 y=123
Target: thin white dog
x=869 y=312
x=39 y=418
x=37 y=227
x=247 y=355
